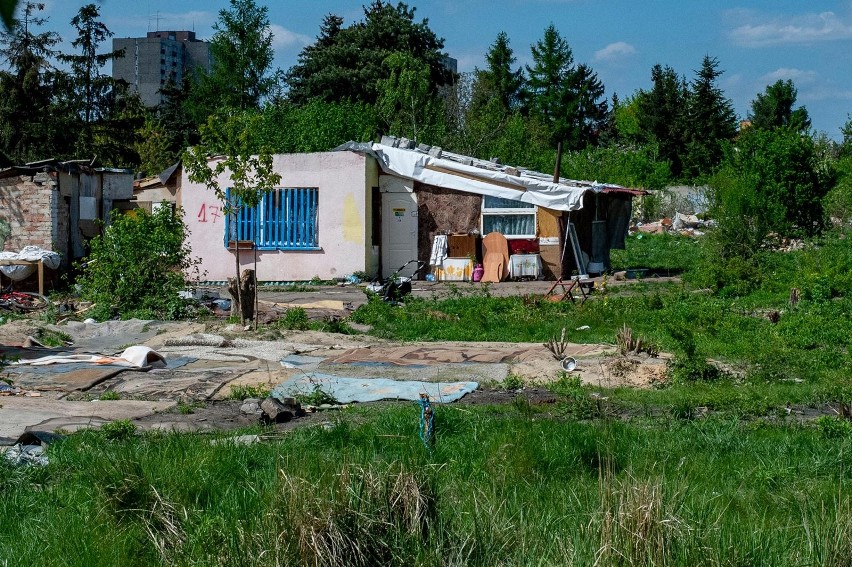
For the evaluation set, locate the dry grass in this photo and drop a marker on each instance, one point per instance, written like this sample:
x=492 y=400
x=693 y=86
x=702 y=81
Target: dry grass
x=637 y=522
x=360 y=518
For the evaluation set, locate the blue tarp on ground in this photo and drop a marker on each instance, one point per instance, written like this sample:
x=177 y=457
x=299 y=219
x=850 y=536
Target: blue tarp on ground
x=348 y=390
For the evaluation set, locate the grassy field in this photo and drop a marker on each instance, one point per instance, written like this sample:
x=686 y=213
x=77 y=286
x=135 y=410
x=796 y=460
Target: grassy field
x=712 y=469
x=507 y=486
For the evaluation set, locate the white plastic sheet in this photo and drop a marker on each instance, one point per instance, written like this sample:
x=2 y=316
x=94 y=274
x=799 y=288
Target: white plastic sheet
x=30 y=254
x=453 y=175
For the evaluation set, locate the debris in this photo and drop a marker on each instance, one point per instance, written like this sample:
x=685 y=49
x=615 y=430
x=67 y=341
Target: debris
x=583 y=328
x=198 y=339
x=276 y=410
x=251 y=406
x=568 y=364
x=139 y=356
x=26 y=455
x=30 y=448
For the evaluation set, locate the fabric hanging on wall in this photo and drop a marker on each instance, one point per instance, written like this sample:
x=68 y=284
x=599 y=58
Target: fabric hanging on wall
x=618 y=214
x=439 y=250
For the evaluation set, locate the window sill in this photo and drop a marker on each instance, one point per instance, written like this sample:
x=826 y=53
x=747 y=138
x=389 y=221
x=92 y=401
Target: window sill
x=291 y=248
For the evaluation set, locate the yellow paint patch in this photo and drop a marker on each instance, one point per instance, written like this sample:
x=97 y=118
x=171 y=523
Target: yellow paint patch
x=353 y=222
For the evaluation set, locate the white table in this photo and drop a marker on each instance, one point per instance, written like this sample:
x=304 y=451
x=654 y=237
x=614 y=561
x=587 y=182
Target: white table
x=525 y=266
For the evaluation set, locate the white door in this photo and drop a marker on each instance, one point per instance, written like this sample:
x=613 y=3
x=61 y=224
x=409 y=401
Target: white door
x=399 y=232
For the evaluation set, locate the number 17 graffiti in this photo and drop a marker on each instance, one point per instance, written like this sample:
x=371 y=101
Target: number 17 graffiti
x=212 y=210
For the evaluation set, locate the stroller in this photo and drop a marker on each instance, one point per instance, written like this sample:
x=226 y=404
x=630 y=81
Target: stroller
x=395 y=287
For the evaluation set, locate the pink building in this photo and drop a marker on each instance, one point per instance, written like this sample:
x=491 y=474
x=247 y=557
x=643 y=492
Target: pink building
x=318 y=223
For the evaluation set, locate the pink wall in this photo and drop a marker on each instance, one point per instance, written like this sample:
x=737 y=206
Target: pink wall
x=343 y=179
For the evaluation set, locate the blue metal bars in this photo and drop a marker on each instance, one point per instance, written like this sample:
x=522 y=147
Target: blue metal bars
x=285 y=219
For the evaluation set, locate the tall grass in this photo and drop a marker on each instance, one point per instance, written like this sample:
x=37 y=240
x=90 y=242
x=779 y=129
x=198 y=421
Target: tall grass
x=500 y=488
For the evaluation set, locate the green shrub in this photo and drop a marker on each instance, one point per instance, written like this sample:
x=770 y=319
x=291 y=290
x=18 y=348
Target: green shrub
x=138 y=266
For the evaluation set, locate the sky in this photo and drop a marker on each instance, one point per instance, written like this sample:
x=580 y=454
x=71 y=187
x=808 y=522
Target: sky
x=755 y=42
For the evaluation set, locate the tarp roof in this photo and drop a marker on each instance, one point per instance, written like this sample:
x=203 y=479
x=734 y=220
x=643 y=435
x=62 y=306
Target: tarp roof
x=435 y=167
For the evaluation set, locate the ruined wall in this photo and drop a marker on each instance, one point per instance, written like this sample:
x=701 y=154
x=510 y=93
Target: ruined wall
x=25 y=205
x=443 y=210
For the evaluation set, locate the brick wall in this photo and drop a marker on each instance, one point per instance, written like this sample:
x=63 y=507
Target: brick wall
x=26 y=206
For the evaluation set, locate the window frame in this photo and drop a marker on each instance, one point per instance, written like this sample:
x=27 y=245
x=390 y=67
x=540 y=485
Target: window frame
x=527 y=209
x=274 y=229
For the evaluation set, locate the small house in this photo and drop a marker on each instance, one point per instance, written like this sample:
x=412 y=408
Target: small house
x=373 y=207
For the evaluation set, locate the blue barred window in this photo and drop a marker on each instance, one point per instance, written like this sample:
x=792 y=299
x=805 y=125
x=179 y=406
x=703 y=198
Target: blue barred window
x=285 y=219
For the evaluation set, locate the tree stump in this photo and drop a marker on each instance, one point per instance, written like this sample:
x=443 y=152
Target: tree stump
x=242 y=303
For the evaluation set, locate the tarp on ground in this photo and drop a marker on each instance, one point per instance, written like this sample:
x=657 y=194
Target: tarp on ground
x=348 y=390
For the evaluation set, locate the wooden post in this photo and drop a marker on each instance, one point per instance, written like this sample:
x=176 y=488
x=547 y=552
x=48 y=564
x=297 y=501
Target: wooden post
x=561 y=224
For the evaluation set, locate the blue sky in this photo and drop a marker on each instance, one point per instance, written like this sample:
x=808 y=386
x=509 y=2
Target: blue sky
x=756 y=42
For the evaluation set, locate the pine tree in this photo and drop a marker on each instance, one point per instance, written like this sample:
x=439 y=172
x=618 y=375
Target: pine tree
x=90 y=92
x=241 y=76
x=498 y=80
x=566 y=98
x=711 y=121
x=662 y=115
x=26 y=86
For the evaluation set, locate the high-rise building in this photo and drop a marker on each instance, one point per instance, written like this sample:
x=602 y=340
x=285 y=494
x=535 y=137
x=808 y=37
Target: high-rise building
x=149 y=62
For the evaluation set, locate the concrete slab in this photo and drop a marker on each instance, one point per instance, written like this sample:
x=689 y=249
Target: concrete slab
x=20 y=414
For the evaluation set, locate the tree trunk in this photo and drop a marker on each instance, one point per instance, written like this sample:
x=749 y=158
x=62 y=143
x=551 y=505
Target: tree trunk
x=243 y=295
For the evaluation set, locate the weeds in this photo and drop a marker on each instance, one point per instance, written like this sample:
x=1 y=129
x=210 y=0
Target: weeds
x=118 y=430
x=110 y=395
x=244 y=391
x=315 y=397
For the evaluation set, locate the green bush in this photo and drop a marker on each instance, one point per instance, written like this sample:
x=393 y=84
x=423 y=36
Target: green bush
x=138 y=266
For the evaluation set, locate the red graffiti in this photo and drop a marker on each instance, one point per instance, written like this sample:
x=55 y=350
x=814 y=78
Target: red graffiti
x=213 y=211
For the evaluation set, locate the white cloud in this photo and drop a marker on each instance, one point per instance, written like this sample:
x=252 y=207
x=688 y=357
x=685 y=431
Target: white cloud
x=764 y=31
x=825 y=93
x=796 y=75
x=282 y=38
x=614 y=52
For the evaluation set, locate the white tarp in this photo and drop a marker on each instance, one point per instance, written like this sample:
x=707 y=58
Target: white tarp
x=453 y=175
x=49 y=258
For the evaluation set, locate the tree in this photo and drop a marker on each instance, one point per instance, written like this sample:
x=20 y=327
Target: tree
x=711 y=121
x=498 y=81
x=7 y=12
x=26 y=86
x=347 y=63
x=90 y=90
x=241 y=76
x=774 y=181
x=565 y=97
x=549 y=77
x=317 y=126
x=662 y=115
x=589 y=109
x=246 y=167
x=404 y=101
x=774 y=108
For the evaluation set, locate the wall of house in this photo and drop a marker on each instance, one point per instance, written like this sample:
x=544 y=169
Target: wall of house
x=342 y=179
x=445 y=211
x=25 y=205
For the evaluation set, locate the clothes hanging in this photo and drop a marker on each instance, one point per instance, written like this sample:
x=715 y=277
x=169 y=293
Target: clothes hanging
x=439 y=250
